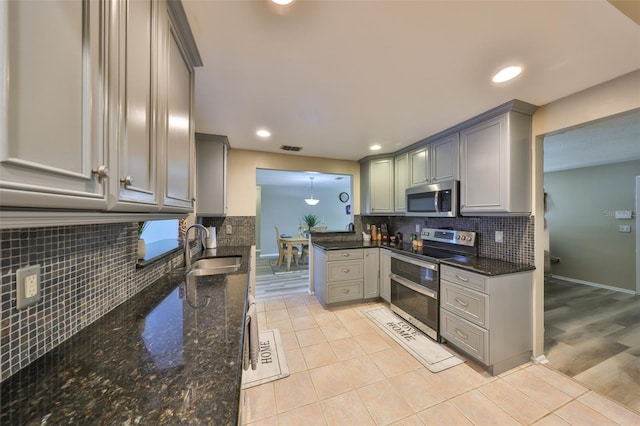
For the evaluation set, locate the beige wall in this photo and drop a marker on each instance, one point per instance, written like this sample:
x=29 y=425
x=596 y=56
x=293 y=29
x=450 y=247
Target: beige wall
x=613 y=97
x=241 y=177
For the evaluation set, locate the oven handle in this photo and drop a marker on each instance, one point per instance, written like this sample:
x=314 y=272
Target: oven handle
x=416 y=262
x=413 y=286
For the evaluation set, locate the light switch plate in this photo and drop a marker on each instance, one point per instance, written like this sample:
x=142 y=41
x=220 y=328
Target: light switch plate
x=27 y=286
x=499 y=237
x=623 y=214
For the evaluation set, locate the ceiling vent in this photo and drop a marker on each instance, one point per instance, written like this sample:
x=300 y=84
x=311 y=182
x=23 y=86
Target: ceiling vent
x=290 y=148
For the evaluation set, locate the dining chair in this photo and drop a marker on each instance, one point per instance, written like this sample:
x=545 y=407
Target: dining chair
x=282 y=249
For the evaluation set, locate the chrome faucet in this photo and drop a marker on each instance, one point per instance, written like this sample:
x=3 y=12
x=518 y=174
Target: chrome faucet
x=187 y=251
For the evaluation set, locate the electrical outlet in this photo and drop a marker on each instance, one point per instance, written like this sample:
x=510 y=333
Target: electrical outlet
x=30 y=286
x=499 y=237
x=625 y=228
x=417 y=228
x=229 y=230
x=27 y=286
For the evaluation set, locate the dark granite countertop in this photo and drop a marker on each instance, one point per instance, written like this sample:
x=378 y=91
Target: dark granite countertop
x=486 y=266
x=169 y=355
x=480 y=265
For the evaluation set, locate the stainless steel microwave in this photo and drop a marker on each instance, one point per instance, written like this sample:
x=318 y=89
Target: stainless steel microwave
x=435 y=200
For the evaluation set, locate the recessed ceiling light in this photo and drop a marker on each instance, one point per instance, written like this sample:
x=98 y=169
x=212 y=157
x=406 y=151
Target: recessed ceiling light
x=263 y=133
x=375 y=147
x=506 y=74
x=283 y=2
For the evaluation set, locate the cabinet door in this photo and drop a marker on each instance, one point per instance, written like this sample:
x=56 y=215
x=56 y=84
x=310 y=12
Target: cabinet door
x=420 y=170
x=482 y=162
x=401 y=181
x=211 y=171
x=385 y=270
x=444 y=159
x=371 y=273
x=134 y=186
x=179 y=129
x=381 y=181
x=52 y=149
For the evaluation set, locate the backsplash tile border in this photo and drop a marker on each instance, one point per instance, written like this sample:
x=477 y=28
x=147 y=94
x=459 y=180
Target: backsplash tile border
x=86 y=271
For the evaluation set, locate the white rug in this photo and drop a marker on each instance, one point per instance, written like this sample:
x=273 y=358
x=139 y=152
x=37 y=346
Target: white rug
x=272 y=364
x=430 y=354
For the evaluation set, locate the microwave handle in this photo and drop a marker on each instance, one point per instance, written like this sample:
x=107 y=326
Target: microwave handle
x=436 y=201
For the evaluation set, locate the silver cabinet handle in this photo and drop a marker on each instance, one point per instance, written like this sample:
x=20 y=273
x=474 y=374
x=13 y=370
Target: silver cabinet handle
x=461 y=334
x=461 y=302
x=462 y=278
x=102 y=172
x=346 y=291
x=346 y=254
x=127 y=180
x=346 y=271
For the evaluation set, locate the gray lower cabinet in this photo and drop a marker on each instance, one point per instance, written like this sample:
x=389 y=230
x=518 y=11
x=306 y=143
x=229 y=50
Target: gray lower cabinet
x=488 y=318
x=338 y=275
x=371 y=273
x=385 y=270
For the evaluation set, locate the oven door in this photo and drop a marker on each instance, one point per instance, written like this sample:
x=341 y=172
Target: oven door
x=418 y=305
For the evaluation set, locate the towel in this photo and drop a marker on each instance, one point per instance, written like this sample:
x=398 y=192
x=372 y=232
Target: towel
x=251 y=350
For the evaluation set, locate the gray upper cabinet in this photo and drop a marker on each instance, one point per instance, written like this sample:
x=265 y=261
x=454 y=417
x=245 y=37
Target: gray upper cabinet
x=211 y=171
x=495 y=173
x=101 y=117
x=444 y=159
x=420 y=170
x=178 y=127
x=134 y=108
x=401 y=173
x=377 y=190
x=52 y=127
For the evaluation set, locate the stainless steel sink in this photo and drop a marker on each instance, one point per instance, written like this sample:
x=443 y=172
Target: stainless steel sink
x=215 y=265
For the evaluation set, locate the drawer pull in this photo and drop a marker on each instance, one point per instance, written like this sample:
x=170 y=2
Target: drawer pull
x=461 y=302
x=346 y=271
x=346 y=291
x=346 y=254
x=461 y=334
x=462 y=278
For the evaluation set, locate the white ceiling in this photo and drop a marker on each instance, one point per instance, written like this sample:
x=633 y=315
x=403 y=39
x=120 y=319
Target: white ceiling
x=291 y=179
x=612 y=140
x=337 y=76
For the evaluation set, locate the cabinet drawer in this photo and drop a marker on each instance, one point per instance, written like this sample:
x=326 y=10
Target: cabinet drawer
x=466 y=303
x=344 y=271
x=350 y=290
x=464 y=278
x=468 y=337
x=344 y=254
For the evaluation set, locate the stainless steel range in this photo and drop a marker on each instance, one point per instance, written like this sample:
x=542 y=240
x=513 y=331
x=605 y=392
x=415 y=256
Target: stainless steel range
x=415 y=276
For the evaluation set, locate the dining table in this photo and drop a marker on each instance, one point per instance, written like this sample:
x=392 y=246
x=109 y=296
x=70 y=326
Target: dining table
x=293 y=241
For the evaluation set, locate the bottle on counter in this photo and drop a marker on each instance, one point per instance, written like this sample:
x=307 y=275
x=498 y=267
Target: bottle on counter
x=374 y=233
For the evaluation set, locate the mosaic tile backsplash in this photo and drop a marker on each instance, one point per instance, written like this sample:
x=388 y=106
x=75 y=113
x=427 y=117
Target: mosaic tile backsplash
x=243 y=229
x=86 y=271
x=518 y=245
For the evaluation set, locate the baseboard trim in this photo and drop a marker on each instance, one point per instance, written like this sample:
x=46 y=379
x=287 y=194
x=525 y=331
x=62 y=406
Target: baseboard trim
x=589 y=283
x=542 y=359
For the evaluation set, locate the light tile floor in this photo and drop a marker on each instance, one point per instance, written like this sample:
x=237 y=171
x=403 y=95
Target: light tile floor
x=345 y=371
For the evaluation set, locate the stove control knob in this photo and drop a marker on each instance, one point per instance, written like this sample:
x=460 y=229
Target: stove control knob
x=457 y=237
x=464 y=238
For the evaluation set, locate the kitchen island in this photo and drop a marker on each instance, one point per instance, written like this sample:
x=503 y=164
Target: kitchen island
x=169 y=355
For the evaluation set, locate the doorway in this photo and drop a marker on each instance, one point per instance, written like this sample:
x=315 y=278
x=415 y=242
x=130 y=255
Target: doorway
x=591 y=318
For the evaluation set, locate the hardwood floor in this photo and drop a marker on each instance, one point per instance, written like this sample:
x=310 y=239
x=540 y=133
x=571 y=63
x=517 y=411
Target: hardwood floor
x=269 y=284
x=593 y=335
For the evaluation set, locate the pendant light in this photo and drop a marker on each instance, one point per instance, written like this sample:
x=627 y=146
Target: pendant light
x=311 y=201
